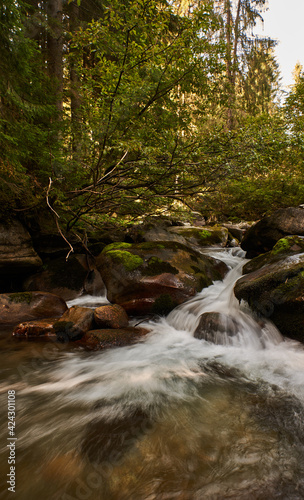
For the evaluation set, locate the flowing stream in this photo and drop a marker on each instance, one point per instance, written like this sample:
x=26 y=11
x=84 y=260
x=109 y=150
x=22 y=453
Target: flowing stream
x=171 y=417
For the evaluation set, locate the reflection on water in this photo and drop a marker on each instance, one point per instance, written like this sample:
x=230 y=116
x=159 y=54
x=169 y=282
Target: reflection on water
x=171 y=417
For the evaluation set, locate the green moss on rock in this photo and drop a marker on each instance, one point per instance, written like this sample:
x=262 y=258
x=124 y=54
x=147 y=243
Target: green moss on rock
x=157 y=266
x=204 y=234
x=127 y=259
x=116 y=246
x=164 y=304
x=21 y=297
x=282 y=245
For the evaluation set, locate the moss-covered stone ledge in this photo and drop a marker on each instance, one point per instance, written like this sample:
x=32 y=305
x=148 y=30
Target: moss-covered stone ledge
x=26 y=306
x=290 y=245
x=139 y=275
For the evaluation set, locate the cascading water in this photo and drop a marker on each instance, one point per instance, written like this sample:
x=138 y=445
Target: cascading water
x=172 y=417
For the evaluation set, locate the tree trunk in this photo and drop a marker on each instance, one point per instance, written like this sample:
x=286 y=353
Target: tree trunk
x=55 y=47
x=229 y=69
x=74 y=85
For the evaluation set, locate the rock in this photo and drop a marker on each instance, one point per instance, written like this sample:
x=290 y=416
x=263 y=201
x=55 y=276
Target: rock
x=276 y=291
x=108 y=439
x=237 y=231
x=262 y=236
x=66 y=278
x=202 y=236
x=26 y=306
x=186 y=235
x=17 y=255
x=291 y=245
x=154 y=277
x=74 y=323
x=111 y=316
x=36 y=329
x=216 y=327
x=102 y=339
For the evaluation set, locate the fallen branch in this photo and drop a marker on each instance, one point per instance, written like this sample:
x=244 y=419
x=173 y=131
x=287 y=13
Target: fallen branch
x=56 y=219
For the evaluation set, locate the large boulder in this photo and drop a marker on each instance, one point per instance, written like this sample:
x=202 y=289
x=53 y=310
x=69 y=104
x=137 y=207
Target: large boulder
x=276 y=291
x=188 y=235
x=66 y=278
x=154 y=277
x=262 y=236
x=26 y=306
x=17 y=255
x=202 y=236
x=291 y=245
x=74 y=323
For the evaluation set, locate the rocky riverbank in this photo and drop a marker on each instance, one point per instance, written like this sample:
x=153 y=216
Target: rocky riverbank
x=148 y=269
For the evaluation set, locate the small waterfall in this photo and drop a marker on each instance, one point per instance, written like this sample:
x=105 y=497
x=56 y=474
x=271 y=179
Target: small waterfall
x=236 y=325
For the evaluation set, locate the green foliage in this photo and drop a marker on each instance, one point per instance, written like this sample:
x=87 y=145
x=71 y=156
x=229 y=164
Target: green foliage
x=144 y=123
x=26 y=112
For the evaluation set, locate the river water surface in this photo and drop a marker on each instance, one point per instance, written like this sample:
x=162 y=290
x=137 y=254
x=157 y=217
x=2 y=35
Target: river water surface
x=172 y=417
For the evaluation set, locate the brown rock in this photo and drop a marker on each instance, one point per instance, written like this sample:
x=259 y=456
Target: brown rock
x=17 y=255
x=262 y=236
x=74 y=323
x=36 y=328
x=111 y=316
x=155 y=277
x=216 y=327
x=101 y=339
x=68 y=279
x=26 y=306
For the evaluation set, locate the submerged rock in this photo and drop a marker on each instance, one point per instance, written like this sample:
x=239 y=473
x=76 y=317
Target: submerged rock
x=276 y=291
x=109 y=439
x=26 y=306
x=262 y=236
x=155 y=276
x=216 y=327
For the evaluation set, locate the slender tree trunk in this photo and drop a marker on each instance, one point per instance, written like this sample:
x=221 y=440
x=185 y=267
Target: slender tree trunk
x=55 y=47
x=74 y=85
x=229 y=69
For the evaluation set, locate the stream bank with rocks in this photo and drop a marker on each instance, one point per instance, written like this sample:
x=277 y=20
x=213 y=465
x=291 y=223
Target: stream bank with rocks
x=147 y=270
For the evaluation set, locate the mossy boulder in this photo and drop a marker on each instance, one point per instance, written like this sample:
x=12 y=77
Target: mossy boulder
x=197 y=236
x=290 y=245
x=26 y=306
x=262 y=236
x=203 y=236
x=276 y=291
x=155 y=276
x=66 y=278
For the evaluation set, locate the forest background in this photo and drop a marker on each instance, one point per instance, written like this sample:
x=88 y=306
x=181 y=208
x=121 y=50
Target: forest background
x=113 y=110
